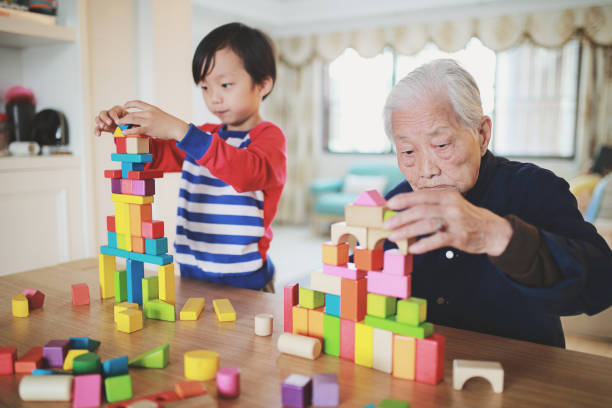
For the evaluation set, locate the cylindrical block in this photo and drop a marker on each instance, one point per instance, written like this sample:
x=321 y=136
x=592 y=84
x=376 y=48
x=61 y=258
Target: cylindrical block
x=301 y=346
x=46 y=388
x=264 y=324
x=201 y=365
x=228 y=382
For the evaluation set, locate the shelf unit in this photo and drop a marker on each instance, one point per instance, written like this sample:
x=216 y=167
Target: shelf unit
x=21 y=33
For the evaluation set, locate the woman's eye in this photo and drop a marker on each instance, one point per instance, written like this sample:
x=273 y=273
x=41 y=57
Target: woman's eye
x=205 y=88
x=226 y=85
x=442 y=146
x=408 y=152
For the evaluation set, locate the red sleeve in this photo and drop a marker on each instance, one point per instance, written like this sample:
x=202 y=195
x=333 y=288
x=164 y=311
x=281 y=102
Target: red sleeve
x=166 y=156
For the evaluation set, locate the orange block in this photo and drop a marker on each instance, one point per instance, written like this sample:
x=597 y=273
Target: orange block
x=368 y=259
x=335 y=254
x=404 y=353
x=138 y=214
x=315 y=322
x=353 y=299
x=29 y=361
x=138 y=245
x=300 y=320
x=188 y=389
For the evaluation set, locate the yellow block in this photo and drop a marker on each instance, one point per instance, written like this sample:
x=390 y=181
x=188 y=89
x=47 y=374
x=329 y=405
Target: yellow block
x=122 y=218
x=118 y=132
x=124 y=241
x=123 y=306
x=300 y=320
x=315 y=323
x=364 y=344
x=165 y=274
x=20 y=306
x=224 y=310
x=106 y=267
x=138 y=214
x=192 y=309
x=404 y=350
x=71 y=356
x=131 y=199
x=201 y=365
x=129 y=320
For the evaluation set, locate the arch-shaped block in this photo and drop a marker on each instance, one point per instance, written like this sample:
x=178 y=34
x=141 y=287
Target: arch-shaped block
x=377 y=236
x=492 y=371
x=340 y=232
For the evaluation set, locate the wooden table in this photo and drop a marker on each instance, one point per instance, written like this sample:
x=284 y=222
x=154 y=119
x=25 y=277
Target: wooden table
x=536 y=375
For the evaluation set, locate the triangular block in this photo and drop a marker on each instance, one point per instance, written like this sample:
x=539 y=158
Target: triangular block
x=84 y=343
x=159 y=357
x=370 y=198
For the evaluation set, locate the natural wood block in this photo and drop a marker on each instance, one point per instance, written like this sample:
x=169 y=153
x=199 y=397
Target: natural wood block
x=364 y=216
x=382 y=357
x=492 y=371
x=323 y=282
x=341 y=232
x=136 y=145
x=297 y=345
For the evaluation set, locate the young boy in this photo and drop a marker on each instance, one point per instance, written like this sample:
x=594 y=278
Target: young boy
x=233 y=173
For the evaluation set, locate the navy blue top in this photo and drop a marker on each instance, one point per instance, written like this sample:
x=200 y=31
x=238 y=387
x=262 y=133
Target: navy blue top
x=469 y=292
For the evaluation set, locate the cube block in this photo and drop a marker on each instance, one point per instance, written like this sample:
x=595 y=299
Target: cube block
x=368 y=259
x=138 y=244
x=153 y=229
x=353 y=300
x=325 y=390
x=156 y=246
x=116 y=366
x=55 y=351
x=296 y=391
x=129 y=320
x=123 y=306
x=87 y=391
x=396 y=263
x=118 y=388
x=335 y=254
x=412 y=311
x=143 y=187
x=8 y=356
x=311 y=299
x=80 y=294
x=332 y=304
x=381 y=305
x=20 y=307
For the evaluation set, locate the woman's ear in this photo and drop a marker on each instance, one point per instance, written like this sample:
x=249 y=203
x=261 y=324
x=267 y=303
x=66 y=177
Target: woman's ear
x=265 y=86
x=484 y=134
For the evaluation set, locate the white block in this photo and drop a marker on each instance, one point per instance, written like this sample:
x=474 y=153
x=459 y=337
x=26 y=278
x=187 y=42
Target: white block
x=382 y=358
x=323 y=282
x=46 y=387
x=301 y=346
x=264 y=324
x=493 y=371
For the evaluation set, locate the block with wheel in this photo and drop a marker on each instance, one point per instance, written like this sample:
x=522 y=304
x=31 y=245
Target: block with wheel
x=335 y=254
x=80 y=294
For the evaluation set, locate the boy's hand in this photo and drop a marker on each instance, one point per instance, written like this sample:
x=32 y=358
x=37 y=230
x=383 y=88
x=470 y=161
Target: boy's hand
x=152 y=121
x=107 y=120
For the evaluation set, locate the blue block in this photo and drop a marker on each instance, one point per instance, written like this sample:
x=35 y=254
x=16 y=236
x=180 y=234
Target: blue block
x=156 y=246
x=146 y=258
x=123 y=127
x=83 y=343
x=116 y=366
x=132 y=157
x=129 y=166
x=332 y=304
x=112 y=239
x=44 y=371
x=135 y=273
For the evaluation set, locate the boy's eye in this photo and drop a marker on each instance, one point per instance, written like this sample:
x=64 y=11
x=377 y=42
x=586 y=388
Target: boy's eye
x=204 y=87
x=226 y=85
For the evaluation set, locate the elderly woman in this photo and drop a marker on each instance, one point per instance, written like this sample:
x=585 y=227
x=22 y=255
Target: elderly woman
x=503 y=248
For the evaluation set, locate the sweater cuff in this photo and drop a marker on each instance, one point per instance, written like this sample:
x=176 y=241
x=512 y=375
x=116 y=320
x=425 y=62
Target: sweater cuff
x=521 y=251
x=195 y=143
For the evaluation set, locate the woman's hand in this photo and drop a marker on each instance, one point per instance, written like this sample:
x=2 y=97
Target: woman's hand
x=107 y=120
x=446 y=218
x=152 y=121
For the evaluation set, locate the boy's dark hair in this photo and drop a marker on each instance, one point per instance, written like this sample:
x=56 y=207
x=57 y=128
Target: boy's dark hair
x=254 y=48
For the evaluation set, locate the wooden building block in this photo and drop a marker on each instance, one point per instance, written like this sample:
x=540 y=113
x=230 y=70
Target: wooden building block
x=87 y=391
x=46 y=388
x=70 y=356
x=398 y=286
x=36 y=299
x=30 y=361
x=340 y=232
x=429 y=366
x=110 y=223
x=152 y=259
x=421 y=331
x=404 y=357
x=377 y=236
x=332 y=304
x=106 y=268
x=371 y=198
x=120 y=145
x=264 y=324
x=159 y=310
x=364 y=216
x=126 y=167
x=315 y=323
x=8 y=356
x=290 y=299
x=335 y=254
x=131 y=199
x=112 y=174
x=348 y=271
x=364 y=344
x=311 y=299
x=118 y=132
x=381 y=305
x=138 y=244
x=391 y=403
x=224 y=310
x=80 y=294
x=368 y=259
x=55 y=351
x=347 y=339
x=126 y=186
x=83 y=343
x=301 y=346
x=331 y=335
x=20 y=306
x=134 y=273
x=201 y=365
x=187 y=389
x=123 y=306
x=159 y=357
x=166 y=282
x=136 y=145
x=143 y=187
x=138 y=214
x=325 y=390
x=412 y=311
x=120 y=286
x=228 y=382
x=122 y=218
x=396 y=263
x=132 y=158
x=116 y=366
x=112 y=239
x=145 y=174
x=382 y=357
x=192 y=309
x=150 y=289
x=492 y=371
x=156 y=246
x=118 y=388
x=296 y=391
x=116 y=186
x=124 y=242
x=129 y=320
x=153 y=229
x=300 y=320
x=88 y=363
x=201 y=401
x=353 y=300
x=326 y=283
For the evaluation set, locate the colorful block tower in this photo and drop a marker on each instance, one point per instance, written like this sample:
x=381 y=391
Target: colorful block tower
x=363 y=310
x=134 y=235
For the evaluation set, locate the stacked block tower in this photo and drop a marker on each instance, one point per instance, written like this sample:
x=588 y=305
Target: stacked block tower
x=363 y=310
x=135 y=236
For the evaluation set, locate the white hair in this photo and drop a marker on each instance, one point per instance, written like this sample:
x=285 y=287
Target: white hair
x=441 y=76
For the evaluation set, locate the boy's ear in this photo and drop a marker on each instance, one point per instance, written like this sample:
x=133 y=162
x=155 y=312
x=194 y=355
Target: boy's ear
x=265 y=86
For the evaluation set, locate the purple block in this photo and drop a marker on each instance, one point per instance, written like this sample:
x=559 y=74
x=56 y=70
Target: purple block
x=116 y=186
x=143 y=187
x=55 y=351
x=296 y=391
x=325 y=390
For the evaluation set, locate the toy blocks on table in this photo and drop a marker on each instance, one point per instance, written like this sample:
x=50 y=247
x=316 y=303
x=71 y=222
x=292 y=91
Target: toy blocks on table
x=116 y=366
x=429 y=365
x=186 y=389
x=370 y=198
x=145 y=174
x=201 y=365
x=382 y=356
x=150 y=289
x=83 y=343
x=396 y=263
x=311 y=299
x=30 y=361
x=106 y=267
x=315 y=323
x=300 y=320
x=70 y=356
x=156 y=246
x=368 y=259
x=20 y=306
x=347 y=339
x=340 y=232
x=331 y=335
x=152 y=259
x=192 y=309
x=153 y=229
x=36 y=298
x=391 y=324
x=134 y=273
x=390 y=403
x=88 y=363
x=46 y=388
x=297 y=345
x=325 y=390
x=131 y=199
x=364 y=216
x=118 y=388
x=364 y=344
x=8 y=356
x=55 y=351
x=290 y=299
x=412 y=311
x=120 y=286
x=228 y=382
x=159 y=310
x=138 y=214
x=159 y=357
x=353 y=300
x=332 y=304
x=492 y=371
x=224 y=310
x=398 y=286
x=112 y=174
x=377 y=236
x=296 y=391
x=165 y=272
x=129 y=321
x=87 y=391
x=348 y=271
x=138 y=244
x=136 y=145
x=381 y=305
x=80 y=294
x=122 y=307
x=335 y=254
x=326 y=283
x=404 y=357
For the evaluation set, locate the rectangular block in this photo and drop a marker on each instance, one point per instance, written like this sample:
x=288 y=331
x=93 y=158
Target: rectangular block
x=20 y=306
x=132 y=158
x=143 y=187
x=138 y=244
x=382 y=357
x=159 y=310
x=120 y=286
x=404 y=357
x=126 y=187
x=112 y=239
x=389 y=285
x=429 y=366
x=153 y=229
x=55 y=351
x=120 y=145
x=332 y=304
x=30 y=361
x=124 y=242
x=325 y=390
x=381 y=305
x=311 y=299
x=116 y=186
x=110 y=223
x=112 y=174
x=315 y=323
x=396 y=263
x=364 y=216
x=156 y=246
x=421 y=331
x=331 y=335
x=87 y=391
x=136 y=145
x=106 y=271
x=290 y=299
x=122 y=218
x=150 y=289
x=131 y=199
x=80 y=294
x=192 y=309
x=347 y=271
x=126 y=167
x=300 y=320
x=335 y=254
x=368 y=259
x=322 y=282
x=224 y=310
x=145 y=174
x=134 y=275
x=8 y=356
x=347 y=339
x=120 y=307
x=166 y=282
x=138 y=214
x=116 y=366
x=412 y=311
x=364 y=344
x=152 y=259
x=353 y=300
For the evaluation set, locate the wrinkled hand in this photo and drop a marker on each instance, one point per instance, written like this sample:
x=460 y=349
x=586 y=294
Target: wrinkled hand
x=152 y=121
x=106 y=121
x=449 y=220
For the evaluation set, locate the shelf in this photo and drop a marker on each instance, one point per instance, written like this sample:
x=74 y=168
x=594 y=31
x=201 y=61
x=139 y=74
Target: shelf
x=9 y=164
x=22 y=33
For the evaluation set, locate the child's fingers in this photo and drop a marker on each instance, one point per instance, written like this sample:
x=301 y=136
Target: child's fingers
x=135 y=130
x=114 y=114
x=103 y=115
x=137 y=104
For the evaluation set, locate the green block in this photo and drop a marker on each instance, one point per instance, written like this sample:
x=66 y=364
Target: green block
x=88 y=363
x=388 y=214
x=311 y=299
x=389 y=403
x=381 y=305
x=412 y=311
x=391 y=324
x=118 y=388
x=120 y=286
x=159 y=357
x=331 y=335
x=150 y=289
x=160 y=310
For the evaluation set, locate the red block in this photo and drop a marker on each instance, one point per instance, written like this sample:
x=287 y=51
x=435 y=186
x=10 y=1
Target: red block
x=80 y=294
x=429 y=365
x=291 y=293
x=347 y=339
x=120 y=144
x=188 y=389
x=8 y=355
x=138 y=244
x=368 y=259
x=36 y=298
x=110 y=223
x=161 y=398
x=29 y=361
x=112 y=174
x=353 y=299
x=145 y=174
x=153 y=229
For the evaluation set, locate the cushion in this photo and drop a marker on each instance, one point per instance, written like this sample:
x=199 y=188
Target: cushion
x=355 y=184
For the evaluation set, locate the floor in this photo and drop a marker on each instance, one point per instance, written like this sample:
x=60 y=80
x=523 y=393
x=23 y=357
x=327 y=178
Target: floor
x=296 y=252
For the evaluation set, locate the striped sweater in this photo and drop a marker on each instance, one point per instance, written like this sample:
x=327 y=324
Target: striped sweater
x=229 y=191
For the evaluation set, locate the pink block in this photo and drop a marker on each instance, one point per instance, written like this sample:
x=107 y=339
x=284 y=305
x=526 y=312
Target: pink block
x=126 y=186
x=347 y=339
x=396 y=263
x=389 y=285
x=36 y=298
x=429 y=364
x=347 y=271
x=143 y=187
x=370 y=198
x=291 y=293
x=87 y=391
x=228 y=382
